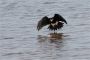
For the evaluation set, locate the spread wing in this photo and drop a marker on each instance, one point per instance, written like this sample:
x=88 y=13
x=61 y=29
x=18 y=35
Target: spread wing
x=43 y=22
x=60 y=18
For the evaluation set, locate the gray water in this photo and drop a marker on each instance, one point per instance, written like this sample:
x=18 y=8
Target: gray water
x=19 y=39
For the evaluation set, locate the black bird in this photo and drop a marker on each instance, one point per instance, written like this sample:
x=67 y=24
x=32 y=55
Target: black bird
x=54 y=23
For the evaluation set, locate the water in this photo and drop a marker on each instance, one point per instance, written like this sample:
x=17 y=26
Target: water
x=19 y=39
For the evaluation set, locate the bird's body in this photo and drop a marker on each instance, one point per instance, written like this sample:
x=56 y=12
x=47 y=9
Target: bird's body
x=55 y=26
x=54 y=23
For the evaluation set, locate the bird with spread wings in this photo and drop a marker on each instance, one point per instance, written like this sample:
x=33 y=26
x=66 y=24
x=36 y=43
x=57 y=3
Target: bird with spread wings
x=53 y=23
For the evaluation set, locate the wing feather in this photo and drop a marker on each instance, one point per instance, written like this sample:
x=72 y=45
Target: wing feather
x=60 y=18
x=43 y=22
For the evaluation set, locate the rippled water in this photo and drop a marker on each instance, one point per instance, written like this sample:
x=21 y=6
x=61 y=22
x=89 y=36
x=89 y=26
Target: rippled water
x=19 y=39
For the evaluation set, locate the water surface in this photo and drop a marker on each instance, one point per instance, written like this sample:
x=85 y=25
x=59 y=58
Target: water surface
x=19 y=39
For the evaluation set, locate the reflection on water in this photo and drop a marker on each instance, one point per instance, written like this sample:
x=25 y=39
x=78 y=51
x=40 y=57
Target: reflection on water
x=56 y=36
x=52 y=41
x=52 y=37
